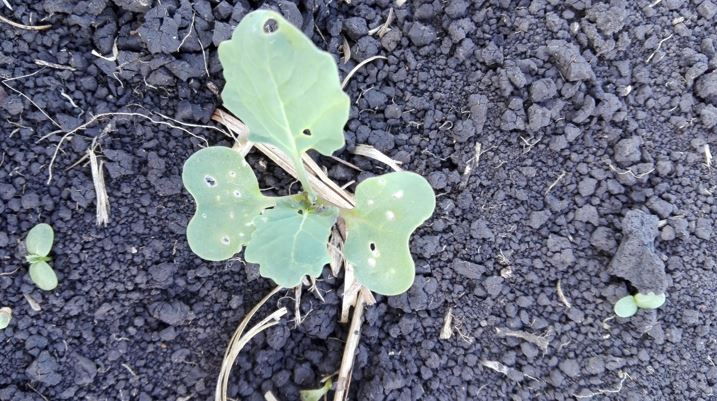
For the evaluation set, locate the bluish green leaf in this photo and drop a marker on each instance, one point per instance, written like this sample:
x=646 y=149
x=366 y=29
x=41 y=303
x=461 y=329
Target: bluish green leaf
x=43 y=276
x=649 y=300
x=626 y=306
x=283 y=87
x=39 y=240
x=388 y=209
x=5 y=317
x=290 y=241
x=228 y=199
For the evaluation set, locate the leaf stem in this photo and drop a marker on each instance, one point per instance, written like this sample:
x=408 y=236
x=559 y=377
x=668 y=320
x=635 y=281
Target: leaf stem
x=303 y=177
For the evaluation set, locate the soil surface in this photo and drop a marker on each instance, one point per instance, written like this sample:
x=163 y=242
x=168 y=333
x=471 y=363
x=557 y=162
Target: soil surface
x=567 y=142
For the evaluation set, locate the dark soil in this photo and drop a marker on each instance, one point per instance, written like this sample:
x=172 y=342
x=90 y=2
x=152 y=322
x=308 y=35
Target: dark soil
x=585 y=110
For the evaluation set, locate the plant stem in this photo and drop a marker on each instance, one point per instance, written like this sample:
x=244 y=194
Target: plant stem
x=304 y=179
x=352 y=341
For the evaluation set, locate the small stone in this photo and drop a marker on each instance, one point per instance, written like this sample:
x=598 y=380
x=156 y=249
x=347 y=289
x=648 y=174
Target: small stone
x=627 y=151
x=603 y=239
x=421 y=35
x=493 y=285
x=543 y=89
x=660 y=206
x=706 y=86
x=537 y=219
x=355 y=27
x=586 y=186
x=703 y=228
x=707 y=9
x=538 y=117
x=45 y=370
x=172 y=313
x=708 y=115
x=570 y=367
x=587 y=214
x=469 y=270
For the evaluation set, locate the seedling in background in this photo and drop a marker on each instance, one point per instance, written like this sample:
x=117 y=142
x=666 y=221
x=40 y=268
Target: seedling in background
x=319 y=393
x=288 y=94
x=5 y=317
x=39 y=243
x=627 y=306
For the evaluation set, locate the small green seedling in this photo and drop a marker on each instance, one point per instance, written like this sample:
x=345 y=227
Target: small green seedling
x=288 y=94
x=5 y=317
x=628 y=305
x=317 y=394
x=39 y=243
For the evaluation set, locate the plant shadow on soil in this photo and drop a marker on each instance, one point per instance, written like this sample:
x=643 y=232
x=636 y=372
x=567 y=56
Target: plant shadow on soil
x=583 y=111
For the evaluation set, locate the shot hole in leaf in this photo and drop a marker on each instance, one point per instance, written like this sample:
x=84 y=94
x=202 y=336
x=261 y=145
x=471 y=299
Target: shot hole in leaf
x=211 y=182
x=270 y=26
x=306 y=132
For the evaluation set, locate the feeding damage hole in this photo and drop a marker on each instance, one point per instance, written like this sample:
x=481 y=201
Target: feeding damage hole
x=372 y=246
x=210 y=181
x=300 y=211
x=271 y=26
x=225 y=240
x=237 y=193
x=306 y=132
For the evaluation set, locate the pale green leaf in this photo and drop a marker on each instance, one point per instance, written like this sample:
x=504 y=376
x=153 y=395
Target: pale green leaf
x=316 y=394
x=43 y=276
x=290 y=241
x=388 y=209
x=283 y=87
x=39 y=240
x=649 y=300
x=228 y=199
x=626 y=306
x=5 y=317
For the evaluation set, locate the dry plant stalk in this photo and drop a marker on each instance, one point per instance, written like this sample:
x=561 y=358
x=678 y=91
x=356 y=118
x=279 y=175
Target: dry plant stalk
x=447 y=329
x=541 y=341
x=363 y=298
x=239 y=340
x=373 y=153
x=98 y=179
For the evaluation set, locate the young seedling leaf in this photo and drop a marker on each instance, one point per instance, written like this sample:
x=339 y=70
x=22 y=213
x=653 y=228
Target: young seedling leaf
x=649 y=300
x=228 y=199
x=283 y=87
x=626 y=306
x=316 y=394
x=39 y=240
x=43 y=276
x=290 y=241
x=388 y=209
x=5 y=317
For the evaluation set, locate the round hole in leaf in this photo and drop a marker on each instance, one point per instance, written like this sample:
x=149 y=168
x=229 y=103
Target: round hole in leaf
x=300 y=211
x=210 y=181
x=306 y=132
x=271 y=26
x=225 y=240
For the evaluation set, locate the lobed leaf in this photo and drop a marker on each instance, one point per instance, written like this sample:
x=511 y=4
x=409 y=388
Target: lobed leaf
x=649 y=300
x=290 y=241
x=388 y=209
x=5 y=317
x=228 y=199
x=39 y=240
x=626 y=306
x=283 y=87
x=43 y=276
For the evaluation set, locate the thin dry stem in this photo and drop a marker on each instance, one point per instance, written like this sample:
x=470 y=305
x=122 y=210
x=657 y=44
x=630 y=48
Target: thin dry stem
x=347 y=360
x=23 y=26
x=98 y=180
x=239 y=340
x=562 y=297
x=358 y=66
x=541 y=342
x=373 y=153
x=447 y=329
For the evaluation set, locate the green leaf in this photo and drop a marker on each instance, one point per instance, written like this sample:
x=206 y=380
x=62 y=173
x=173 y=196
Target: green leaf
x=388 y=209
x=283 y=87
x=290 y=241
x=5 y=317
x=228 y=199
x=43 y=276
x=316 y=394
x=649 y=300
x=626 y=306
x=39 y=240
